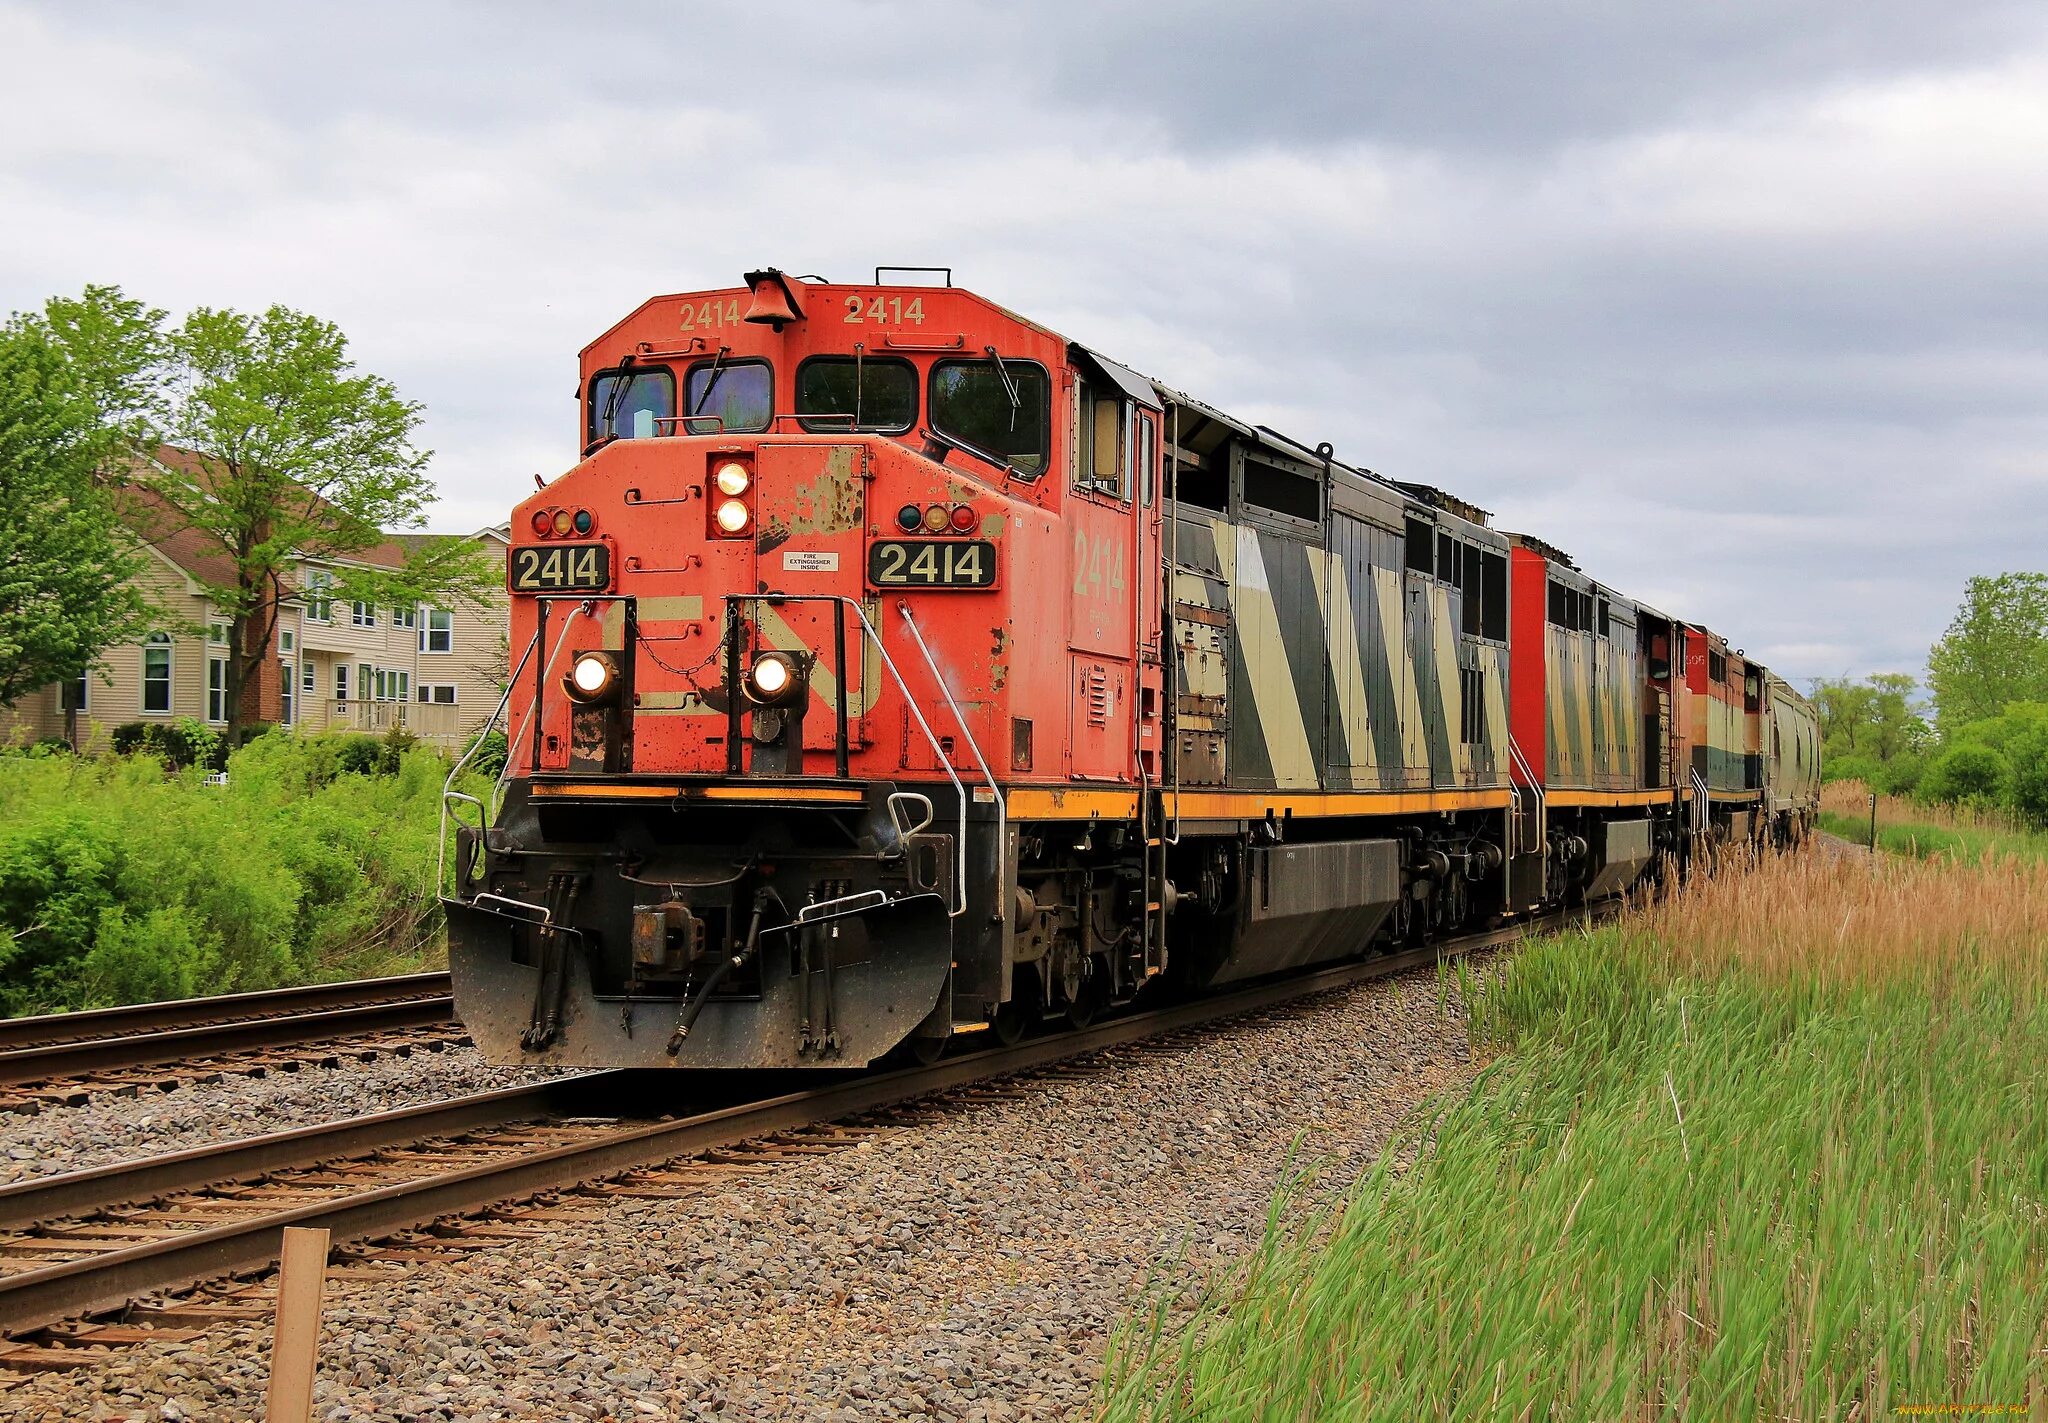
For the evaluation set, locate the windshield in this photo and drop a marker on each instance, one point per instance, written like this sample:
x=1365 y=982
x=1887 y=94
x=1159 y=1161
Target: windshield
x=879 y=395
x=971 y=402
x=740 y=393
x=630 y=405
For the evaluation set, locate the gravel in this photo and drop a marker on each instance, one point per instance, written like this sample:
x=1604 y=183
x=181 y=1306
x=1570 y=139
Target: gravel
x=107 y=1128
x=971 y=1265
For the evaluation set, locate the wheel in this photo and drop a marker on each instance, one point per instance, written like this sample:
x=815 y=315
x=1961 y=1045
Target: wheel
x=924 y=1051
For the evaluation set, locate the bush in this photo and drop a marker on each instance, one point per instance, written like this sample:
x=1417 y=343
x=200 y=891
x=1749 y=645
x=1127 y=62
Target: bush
x=360 y=754
x=488 y=753
x=178 y=744
x=118 y=882
x=1965 y=773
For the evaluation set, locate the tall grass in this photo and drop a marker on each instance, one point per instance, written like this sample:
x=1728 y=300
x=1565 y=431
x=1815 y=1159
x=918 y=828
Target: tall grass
x=1908 y=827
x=1776 y=1149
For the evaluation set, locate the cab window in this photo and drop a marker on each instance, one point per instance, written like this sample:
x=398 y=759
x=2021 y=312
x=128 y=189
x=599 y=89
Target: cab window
x=840 y=393
x=740 y=393
x=1100 y=466
x=630 y=405
x=1008 y=418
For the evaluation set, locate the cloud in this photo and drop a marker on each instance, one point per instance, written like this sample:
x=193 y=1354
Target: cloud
x=1740 y=304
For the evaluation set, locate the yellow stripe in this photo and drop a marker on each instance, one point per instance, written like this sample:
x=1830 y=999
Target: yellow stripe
x=1033 y=803
x=1559 y=798
x=610 y=790
x=836 y=794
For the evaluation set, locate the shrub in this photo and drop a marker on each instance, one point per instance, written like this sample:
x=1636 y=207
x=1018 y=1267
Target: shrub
x=181 y=743
x=118 y=882
x=487 y=753
x=359 y=754
x=1966 y=772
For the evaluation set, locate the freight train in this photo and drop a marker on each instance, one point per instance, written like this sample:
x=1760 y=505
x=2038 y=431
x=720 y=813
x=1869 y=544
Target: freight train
x=892 y=668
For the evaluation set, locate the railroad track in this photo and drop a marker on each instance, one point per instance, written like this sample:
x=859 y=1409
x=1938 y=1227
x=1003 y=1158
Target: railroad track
x=74 y=1248
x=62 y=1058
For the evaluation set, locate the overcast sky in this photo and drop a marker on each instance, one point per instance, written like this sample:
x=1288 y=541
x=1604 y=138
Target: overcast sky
x=1745 y=305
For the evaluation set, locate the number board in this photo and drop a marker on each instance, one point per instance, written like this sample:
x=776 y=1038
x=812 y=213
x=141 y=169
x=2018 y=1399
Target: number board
x=932 y=563
x=562 y=568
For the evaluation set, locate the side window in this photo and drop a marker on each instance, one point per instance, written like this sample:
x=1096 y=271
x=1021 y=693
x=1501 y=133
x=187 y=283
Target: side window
x=633 y=404
x=1148 y=458
x=841 y=393
x=741 y=394
x=1003 y=412
x=1100 y=468
x=1421 y=542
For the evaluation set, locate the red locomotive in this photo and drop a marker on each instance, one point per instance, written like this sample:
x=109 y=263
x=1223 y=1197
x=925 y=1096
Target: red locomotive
x=891 y=667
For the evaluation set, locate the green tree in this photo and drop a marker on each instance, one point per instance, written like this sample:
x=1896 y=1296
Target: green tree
x=299 y=455
x=1874 y=718
x=1995 y=652
x=66 y=565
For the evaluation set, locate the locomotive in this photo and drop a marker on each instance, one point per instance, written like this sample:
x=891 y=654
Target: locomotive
x=892 y=668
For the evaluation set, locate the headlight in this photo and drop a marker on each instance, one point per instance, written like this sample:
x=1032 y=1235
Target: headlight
x=592 y=676
x=772 y=680
x=732 y=517
x=732 y=479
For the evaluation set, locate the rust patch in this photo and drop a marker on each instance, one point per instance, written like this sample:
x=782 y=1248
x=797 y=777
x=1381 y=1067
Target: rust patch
x=831 y=503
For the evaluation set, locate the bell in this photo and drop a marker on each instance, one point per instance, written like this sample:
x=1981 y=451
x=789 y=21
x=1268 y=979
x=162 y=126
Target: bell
x=774 y=301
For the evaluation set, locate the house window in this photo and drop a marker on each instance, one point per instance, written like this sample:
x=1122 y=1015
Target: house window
x=216 y=689
x=401 y=690
x=216 y=633
x=341 y=681
x=286 y=640
x=156 y=673
x=440 y=694
x=285 y=690
x=319 y=608
x=363 y=615
x=407 y=617
x=366 y=685
x=437 y=634
x=71 y=695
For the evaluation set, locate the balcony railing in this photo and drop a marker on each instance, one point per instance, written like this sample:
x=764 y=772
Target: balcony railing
x=429 y=721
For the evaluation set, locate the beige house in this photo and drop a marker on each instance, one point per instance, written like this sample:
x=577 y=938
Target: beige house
x=438 y=672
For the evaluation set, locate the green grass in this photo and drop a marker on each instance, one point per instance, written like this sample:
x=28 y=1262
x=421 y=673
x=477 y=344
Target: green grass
x=1785 y=1177
x=1924 y=841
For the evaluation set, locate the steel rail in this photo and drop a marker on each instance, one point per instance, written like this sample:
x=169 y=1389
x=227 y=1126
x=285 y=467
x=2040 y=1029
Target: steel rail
x=47 y=1028
x=108 y=1279
x=74 y=1193
x=174 y=1045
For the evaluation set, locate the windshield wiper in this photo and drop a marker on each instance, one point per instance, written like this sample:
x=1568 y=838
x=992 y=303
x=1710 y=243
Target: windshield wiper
x=717 y=370
x=1009 y=386
x=620 y=382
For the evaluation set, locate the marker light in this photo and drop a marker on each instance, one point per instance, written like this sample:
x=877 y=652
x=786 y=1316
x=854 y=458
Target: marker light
x=732 y=479
x=910 y=517
x=584 y=523
x=543 y=522
x=592 y=676
x=936 y=518
x=563 y=522
x=963 y=518
x=772 y=680
x=732 y=517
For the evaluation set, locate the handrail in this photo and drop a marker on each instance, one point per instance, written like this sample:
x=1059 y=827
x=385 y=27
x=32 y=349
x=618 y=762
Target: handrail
x=1703 y=803
x=1535 y=787
x=1002 y=810
x=448 y=791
